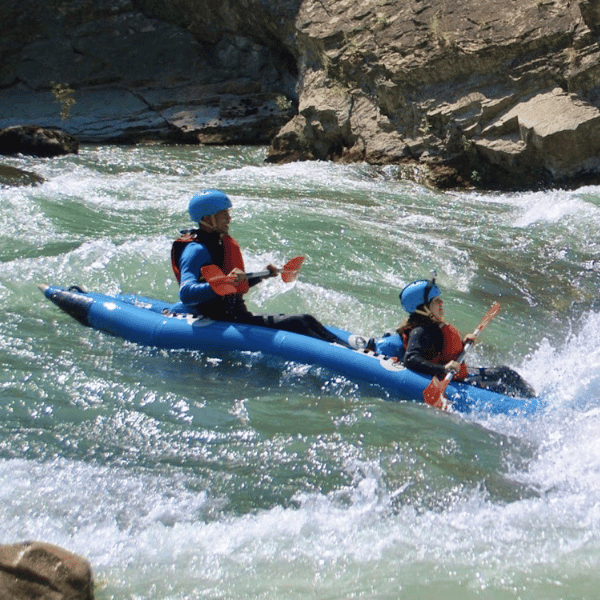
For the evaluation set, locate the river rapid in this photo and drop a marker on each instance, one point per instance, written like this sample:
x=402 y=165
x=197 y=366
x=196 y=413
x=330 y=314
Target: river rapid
x=184 y=475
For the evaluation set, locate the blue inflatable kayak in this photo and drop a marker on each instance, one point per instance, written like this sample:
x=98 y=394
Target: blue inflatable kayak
x=149 y=322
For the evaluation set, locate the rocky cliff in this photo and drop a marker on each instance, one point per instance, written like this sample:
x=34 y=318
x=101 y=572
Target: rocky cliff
x=502 y=93
x=139 y=70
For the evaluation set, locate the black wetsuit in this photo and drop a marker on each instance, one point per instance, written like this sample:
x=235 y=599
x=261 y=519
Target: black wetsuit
x=425 y=341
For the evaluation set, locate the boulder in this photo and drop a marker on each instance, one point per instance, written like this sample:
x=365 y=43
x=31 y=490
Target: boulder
x=554 y=135
x=36 y=141
x=467 y=94
x=40 y=571
x=11 y=177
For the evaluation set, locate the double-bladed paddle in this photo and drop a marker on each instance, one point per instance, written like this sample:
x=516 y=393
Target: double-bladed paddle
x=222 y=285
x=434 y=393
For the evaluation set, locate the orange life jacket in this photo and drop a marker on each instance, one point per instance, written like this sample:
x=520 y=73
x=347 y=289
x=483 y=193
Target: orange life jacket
x=234 y=259
x=232 y=256
x=451 y=349
x=453 y=344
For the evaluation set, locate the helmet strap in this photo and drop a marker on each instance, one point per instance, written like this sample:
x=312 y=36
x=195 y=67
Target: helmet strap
x=426 y=300
x=427 y=291
x=426 y=312
x=208 y=225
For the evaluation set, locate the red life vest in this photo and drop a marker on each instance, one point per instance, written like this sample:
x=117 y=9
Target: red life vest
x=177 y=249
x=453 y=344
x=232 y=257
x=451 y=349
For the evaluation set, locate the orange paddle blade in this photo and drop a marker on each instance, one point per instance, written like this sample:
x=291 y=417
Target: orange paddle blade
x=489 y=315
x=434 y=393
x=291 y=268
x=219 y=282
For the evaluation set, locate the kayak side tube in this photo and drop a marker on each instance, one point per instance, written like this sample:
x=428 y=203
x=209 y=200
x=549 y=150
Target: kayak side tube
x=148 y=322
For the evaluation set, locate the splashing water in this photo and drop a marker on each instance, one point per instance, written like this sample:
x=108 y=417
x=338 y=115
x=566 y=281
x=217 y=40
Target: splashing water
x=184 y=475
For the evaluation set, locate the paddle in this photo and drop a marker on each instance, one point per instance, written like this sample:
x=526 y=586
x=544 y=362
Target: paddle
x=434 y=393
x=289 y=272
x=221 y=283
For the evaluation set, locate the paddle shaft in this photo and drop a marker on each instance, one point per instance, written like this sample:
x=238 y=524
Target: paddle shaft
x=288 y=271
x=222 y=284
x=263 y=274
x=434 y=392
x=258 y=274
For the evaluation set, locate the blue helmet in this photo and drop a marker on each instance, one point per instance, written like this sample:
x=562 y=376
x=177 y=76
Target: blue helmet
x=207 y=202
x=417 y=293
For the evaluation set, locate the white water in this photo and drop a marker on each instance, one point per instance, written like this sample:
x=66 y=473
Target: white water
x=188 y=476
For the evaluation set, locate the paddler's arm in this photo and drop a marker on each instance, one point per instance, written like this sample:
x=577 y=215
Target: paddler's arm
x=192 y=290
x=419 y=346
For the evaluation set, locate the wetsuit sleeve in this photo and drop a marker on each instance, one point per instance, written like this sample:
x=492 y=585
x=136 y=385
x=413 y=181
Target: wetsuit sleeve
x=424 y=343
x=192 y=290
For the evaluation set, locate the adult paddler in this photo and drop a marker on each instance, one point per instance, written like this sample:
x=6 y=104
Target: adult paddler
x=211 y=244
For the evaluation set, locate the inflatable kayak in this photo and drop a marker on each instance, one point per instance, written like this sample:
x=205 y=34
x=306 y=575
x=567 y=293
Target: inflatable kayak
x=150 y=323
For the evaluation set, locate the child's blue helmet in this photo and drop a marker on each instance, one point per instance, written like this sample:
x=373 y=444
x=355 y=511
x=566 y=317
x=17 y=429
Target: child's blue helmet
x=418 y=293
x=207 y=202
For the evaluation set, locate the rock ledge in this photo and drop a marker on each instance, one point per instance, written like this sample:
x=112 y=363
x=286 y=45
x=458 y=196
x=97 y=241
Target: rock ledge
x=468 y=93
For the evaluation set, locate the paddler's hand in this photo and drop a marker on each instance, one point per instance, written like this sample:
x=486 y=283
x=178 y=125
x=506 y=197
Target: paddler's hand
x=273 y=271
x=238 y=276
x=470 y=337
x=459 y=369
x=452 y=366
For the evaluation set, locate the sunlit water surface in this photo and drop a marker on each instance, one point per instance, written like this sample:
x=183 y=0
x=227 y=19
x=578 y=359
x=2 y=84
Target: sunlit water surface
x=185 y=475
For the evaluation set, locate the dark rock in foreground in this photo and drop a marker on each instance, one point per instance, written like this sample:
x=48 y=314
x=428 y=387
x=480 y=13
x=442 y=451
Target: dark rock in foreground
x=11 y=176
x=40 y=571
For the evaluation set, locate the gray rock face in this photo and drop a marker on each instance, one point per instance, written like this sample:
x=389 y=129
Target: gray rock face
x=461 y=93
x=137 y=77
x=470 y=92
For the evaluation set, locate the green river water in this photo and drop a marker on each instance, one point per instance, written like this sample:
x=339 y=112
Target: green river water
x=184 y=475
